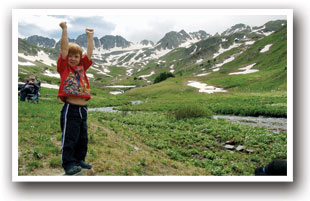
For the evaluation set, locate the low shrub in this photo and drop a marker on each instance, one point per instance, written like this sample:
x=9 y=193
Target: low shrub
x=190 y=111
x=162 y=77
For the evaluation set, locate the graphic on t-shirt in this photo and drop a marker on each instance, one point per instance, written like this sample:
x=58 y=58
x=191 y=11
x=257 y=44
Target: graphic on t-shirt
x=75 y=83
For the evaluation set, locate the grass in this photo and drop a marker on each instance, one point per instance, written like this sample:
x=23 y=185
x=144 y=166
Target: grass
x=150 y=142
x=110 y=153
x=146 y=143
x=174 y=93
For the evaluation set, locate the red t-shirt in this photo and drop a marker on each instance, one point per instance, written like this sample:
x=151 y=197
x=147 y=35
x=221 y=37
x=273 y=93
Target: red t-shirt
x=73 y=79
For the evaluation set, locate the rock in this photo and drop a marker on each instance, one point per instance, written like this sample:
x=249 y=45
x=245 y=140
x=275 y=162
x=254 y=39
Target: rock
x=91 y=172
x=229 y=147
x=249 y=151
x=240 y=148
x=232 y=142
x=86 y=172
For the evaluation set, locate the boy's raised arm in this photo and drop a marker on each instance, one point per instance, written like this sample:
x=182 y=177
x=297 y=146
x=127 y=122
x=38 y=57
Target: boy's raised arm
x=90 y=42
x=64 y=44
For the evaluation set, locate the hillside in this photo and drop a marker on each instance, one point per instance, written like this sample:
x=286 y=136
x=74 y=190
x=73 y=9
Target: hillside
x=213 y=60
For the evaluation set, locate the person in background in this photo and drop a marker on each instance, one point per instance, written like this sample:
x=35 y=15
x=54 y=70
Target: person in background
x=29 y=88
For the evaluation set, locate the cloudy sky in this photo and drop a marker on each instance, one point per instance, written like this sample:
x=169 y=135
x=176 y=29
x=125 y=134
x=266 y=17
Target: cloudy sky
x=135 y=25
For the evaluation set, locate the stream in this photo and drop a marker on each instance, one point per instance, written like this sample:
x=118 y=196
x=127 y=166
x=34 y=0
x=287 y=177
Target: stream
x=112 y=109
x=274 y=124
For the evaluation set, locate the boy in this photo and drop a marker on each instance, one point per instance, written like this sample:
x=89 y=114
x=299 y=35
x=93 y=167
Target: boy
x=74 y=92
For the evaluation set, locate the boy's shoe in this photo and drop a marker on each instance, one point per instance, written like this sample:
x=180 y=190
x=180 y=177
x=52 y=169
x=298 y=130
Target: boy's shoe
x=84 y=165
x=73 y=170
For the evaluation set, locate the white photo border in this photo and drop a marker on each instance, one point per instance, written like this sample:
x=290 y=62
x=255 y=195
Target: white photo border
x=17 y=13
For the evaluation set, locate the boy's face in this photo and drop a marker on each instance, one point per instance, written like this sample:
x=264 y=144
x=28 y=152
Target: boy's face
x=74 y=59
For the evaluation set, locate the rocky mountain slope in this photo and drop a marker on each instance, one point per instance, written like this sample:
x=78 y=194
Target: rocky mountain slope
x=181 y=53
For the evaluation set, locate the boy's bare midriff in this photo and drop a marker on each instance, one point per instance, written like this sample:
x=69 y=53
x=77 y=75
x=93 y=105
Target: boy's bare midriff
x=76 y=100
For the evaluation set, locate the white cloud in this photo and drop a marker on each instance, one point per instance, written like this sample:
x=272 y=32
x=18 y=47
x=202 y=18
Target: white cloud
x=137 y=28
x=43 y=22
x=136 y=25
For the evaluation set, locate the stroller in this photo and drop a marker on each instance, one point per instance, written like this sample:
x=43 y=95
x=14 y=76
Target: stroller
x=30 y=91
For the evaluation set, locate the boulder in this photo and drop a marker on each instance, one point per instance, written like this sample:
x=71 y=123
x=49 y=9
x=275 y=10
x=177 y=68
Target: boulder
x=229 y=147
x=249 y=151
x=240 y=148
x=232 y=142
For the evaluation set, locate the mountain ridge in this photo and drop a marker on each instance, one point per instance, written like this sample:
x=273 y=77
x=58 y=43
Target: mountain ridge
x=170 y=40
x=147 y=60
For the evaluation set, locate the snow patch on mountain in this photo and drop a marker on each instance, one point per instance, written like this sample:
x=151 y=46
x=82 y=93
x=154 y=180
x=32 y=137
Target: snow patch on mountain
x=204 y=88
x=160 y=53
x=129 y=72
x=90 y=75
x=249 y=42
x=225 y=61
x=189 y=43
x=41 y=57
x=26 y=63
x=199 y=61
x=246 y=70
x=203 y=74
x=268 y=33
x=266 y=48
x=50 y=86
x=171 y=68
x=149 y=75
x=194 y=50
x=51 y=74
x=105 y=72
x=222 y=50
x=259 y=29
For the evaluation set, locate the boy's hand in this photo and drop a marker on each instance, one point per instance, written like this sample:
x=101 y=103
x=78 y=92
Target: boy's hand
x=89 y=32
x=90 y=42
x=63 y=25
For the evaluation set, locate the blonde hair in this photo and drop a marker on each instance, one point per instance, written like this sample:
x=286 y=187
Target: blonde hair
x=75 y=49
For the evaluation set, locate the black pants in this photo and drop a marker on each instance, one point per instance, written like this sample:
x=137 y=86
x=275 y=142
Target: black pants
x=73 y=121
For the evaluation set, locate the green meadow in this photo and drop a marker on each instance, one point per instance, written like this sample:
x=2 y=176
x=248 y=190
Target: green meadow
x=171 y=133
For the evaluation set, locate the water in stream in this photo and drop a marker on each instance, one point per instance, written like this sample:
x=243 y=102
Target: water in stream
x=274 y=124
x=112 y=109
